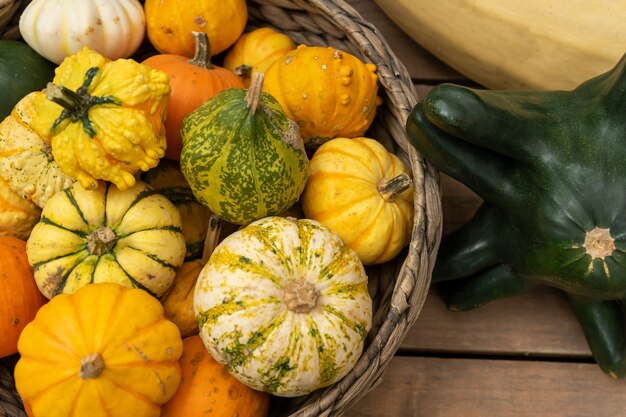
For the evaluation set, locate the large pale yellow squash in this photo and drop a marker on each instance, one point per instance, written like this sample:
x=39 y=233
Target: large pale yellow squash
x=364 y=194
x=104 y=351
x=131 y=237
x=26 y=161
x=512 y=44
x=329 y=93
x=284 y=304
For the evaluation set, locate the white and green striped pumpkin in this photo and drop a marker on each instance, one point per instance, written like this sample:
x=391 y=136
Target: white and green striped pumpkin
x=242 y=156
x=130 y=237
x=284 y=304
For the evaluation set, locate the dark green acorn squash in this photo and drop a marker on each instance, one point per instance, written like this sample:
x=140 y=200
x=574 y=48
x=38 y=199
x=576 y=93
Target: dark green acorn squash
x=551 y=168
x=22 y=71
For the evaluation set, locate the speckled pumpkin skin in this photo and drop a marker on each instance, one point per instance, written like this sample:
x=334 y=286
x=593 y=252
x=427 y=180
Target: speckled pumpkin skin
x=243 y=164
x=246 y=318
x=329 y=93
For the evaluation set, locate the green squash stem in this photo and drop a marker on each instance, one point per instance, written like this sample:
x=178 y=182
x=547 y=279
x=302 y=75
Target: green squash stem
x=202 y=54
x=212 y=237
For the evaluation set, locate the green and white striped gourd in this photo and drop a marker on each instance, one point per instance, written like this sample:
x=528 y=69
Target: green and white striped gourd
x=131 y=237
x=242 y=156
x=284 y=304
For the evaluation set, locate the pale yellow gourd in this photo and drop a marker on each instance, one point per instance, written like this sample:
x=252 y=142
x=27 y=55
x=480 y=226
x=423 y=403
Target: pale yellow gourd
x=511 y=44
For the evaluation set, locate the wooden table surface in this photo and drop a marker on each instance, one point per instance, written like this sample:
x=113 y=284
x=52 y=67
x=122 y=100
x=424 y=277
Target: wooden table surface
x=520 y=357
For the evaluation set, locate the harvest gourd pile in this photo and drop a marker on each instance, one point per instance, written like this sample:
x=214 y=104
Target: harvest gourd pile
x=189 y=230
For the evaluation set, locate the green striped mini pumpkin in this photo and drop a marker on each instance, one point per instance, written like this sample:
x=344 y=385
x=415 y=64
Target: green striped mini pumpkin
x=130 y=237
x=242 y=156
x=284 y=305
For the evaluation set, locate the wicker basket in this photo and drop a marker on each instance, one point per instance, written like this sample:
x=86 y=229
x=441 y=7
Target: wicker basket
x=398 y=287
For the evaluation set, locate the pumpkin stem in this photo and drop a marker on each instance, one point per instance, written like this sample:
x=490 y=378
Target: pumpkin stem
x=243 y=70
x=212 y=237
x=253 y=96
x=300 y=296
x=91 y=366
x=101 y=241
x=599 y=243
x=202 y=54
x=389 y=189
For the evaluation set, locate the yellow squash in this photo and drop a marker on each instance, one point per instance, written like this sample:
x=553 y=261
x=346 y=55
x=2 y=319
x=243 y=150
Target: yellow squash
x=26 y=161
x=329 y=93
x=512 y=44
x=363 y=193
x=18 y=216
x=104 y=119
x=104 y=351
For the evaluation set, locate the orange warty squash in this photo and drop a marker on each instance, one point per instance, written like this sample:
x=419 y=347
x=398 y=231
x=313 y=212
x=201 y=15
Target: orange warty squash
x=193 y=81
x=19 y=296
x=169 y=23
x=208 y=389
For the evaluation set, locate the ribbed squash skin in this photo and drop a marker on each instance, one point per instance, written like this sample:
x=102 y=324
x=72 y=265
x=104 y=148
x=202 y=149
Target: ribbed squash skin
x=18 y=216
x=146 y=248
x=167 y=179
x=243 y=164
x=139 y=351
x=249 y=318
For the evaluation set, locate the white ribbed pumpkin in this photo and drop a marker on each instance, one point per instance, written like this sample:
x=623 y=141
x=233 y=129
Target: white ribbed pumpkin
x=59 y=28
x=284 y=304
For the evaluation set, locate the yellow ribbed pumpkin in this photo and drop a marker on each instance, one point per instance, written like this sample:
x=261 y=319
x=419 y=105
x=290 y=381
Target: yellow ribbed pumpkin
x=104 y=351
x=131 y=237
x=329 y=93
x=363 y=193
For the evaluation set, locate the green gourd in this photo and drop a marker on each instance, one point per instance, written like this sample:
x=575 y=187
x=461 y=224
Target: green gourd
x=551 y=168
x=22 y=71
x=242 y=156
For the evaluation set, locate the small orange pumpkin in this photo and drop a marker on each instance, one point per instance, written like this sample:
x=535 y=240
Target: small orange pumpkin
x=255 y=51
x=20 y=299
x=208 y=389
x=193 y=81
x=169 y=23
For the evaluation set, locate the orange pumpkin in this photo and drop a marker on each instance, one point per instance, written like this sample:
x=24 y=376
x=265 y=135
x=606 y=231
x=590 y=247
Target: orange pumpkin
x=255 y=51
x=20 y=299
x=169 y=23
x=208 y=389
x=193 y=81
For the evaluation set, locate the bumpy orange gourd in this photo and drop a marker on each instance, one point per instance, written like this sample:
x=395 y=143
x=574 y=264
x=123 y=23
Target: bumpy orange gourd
x=255 y=51
x=363 y=193
x=329 y=93
x=169 y=23
x=20 y=298
x=208 y=389
x=104 y=351
x=193 y=81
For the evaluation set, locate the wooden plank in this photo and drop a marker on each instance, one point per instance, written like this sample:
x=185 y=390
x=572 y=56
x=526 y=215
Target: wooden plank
x=538 y=323
x=433 y=387
x=420 y=64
